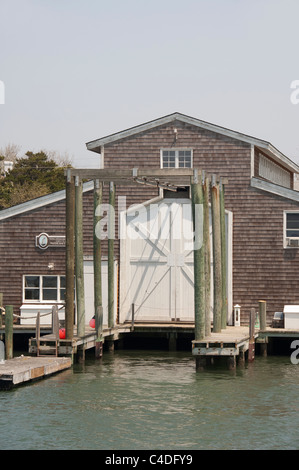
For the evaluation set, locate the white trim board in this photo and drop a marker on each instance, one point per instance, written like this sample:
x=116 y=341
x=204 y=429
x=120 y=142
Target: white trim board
x=39 y=202
x=275 y=189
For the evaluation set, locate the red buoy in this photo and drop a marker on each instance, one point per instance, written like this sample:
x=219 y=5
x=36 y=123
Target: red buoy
x=62 y=333
x=92 y=323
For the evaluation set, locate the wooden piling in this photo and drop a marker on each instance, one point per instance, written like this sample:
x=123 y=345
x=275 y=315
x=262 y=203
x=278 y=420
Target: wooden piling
x=9 y=331
x=80 y=297
x=231 y=362
x=207 y=251
x=263 y=314
x=70 y=256
x=111 y=236
x=97 y=265
x=263 y=326
x=216 y=229
x=133 y=316
x=223 y=257
x=55 y=321
x=1 y=306
x=99 y=333
x=251 y=350
x=199 y=259
x=1 y=315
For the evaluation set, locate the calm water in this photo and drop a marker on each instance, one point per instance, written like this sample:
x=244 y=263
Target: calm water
x=155 y=400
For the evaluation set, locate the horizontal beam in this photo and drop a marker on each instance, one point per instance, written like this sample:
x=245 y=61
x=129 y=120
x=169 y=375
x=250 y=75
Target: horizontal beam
x=215 y=351
x=175 y=175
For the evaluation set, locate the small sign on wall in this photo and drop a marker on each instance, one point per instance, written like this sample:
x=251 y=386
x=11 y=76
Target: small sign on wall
x=44 y=241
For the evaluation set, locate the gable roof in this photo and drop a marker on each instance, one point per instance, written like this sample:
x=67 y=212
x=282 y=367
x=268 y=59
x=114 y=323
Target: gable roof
x=39 y=202
x=266 y=147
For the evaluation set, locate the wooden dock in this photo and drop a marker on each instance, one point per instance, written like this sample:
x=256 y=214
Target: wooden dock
x=24 y=369
x=67 y=347
x=229 y=342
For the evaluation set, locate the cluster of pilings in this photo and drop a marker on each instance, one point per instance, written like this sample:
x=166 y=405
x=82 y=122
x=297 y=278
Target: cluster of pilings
x=74 y=259
x=206 y=192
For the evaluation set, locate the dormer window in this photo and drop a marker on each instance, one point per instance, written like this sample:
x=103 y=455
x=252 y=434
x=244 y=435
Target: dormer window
x=176 y=158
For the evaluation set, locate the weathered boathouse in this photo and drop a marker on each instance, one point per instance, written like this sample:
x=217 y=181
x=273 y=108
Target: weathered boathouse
x=152 y=256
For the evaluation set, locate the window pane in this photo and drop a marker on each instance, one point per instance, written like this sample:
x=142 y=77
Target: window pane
x=31 y=294
x=49 y=281
x=62 y=294
x=185 y=159
x=168 y=161
x=293 y=221
x=31 y=281
x=293 y=233
x=62 y=281
x=49 y=294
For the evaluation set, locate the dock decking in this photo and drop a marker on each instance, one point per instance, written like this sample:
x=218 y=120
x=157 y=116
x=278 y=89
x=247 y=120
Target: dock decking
x=23 y=369
x=229 y=342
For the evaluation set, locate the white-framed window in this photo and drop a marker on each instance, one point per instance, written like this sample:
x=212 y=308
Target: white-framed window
x=291 y=229
x=176 y=158
x=46 y=289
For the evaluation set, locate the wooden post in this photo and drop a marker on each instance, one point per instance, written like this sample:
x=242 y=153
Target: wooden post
x=263 y=314
x=80 y=296
x=207 y=249
x=231 y=362
x=263 y=325
x=215 y=203
x=199 y=259
x=1 y=306
x=99 y=333
x=172 y=341
x=9 y=332
x=70 y=256
x=133 y=317
x=1 y=315
x=97 y=265
x=37 y=333
x=111 y=236
x=251 y=350
x=241 y=358
x=55 y=322
x=223 y=258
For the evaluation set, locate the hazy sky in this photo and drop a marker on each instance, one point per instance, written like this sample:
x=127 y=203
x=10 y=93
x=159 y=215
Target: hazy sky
x=76 y=70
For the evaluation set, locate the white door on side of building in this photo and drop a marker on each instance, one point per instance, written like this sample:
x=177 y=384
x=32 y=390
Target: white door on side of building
x=89 y=290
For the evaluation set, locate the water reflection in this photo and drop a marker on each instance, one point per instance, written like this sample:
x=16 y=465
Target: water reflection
x=155 y=400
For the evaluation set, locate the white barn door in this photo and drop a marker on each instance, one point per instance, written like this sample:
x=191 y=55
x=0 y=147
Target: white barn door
x=156 y=262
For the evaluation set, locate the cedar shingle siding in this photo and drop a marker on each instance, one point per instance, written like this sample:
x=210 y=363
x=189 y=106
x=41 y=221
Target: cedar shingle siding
x=262 y=268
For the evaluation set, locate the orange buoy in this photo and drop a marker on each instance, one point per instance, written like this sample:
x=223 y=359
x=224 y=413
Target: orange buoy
x=92 y=323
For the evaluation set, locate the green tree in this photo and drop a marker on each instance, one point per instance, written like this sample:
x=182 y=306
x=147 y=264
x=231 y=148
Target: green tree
x=32 y=176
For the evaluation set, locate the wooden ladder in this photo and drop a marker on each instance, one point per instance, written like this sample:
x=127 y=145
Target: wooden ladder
x=48 y=344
